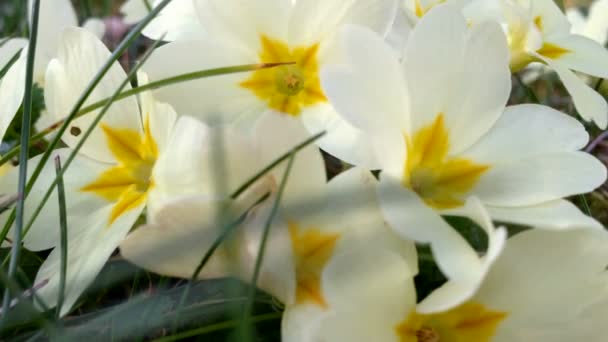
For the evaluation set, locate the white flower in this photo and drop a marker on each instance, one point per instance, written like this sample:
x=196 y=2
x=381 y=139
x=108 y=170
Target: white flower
x=443 y=134
x=595 y=25
x=537 y=31
x=235 y=32
x=110 y=180
x=546 y=286
x=12 y=85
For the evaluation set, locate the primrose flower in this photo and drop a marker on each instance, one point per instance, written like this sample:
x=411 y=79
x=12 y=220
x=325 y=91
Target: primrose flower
x=109 y=182
x=532 y=293
x=304 y=234
x=443 y=133
x=537 y=31
x=237 y=32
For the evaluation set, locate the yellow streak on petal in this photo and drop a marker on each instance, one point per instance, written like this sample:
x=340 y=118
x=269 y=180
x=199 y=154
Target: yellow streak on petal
x=468 y=322
x=552 y=51
x=538 y=22
x=287 y=89
x=441 y=181
x=312 y=250
x=127 y=182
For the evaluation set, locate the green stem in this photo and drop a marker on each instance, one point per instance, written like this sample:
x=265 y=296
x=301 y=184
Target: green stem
x=63 y=225
x=25 y=137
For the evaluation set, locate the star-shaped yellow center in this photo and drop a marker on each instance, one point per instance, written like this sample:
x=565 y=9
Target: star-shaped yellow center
x=312 y=250
x=440 y=180
x=289 y=88
x=127 y=183
x=465 y=323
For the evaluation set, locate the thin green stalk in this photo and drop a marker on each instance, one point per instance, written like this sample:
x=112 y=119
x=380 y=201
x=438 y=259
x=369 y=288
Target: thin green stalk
x=86 y=9
x=122 y=47
x=560 y=4
x=219 y=326
x=63 y=226
x=585 y=204
x=10 y=63
x=25 y=137
x=262 y=249
x=150 y=86
x=147 y=4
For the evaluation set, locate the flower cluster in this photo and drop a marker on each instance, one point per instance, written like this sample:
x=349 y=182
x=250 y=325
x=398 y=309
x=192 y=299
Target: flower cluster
x=411 y=96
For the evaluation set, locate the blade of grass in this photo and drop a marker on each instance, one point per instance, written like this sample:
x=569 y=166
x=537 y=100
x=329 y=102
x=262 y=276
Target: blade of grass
x=122 y=47
x=219 y=326
x=63 y=226
x=247 y=312
x=25 y=137
x=150 y=86
x=147 y=4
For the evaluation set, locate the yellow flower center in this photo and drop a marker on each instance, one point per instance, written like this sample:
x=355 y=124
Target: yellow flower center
x=289 y=88
x=440 y=180
x=465 y=323
x=312 y=250
x=127 y=183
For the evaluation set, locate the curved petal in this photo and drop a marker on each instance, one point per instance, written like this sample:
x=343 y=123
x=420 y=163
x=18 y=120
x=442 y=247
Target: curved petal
x=407 y=214
x=554 y=215
x=343 y=140
x=597 y=25
x=241 y=22
x=456 y=291
x=45 y=232
x=539 y=179
x=80 y=56
x=369 y=90
x=135 y=10
x=554 y=22
x=12 y=85
x=173 y=244
x=590 y=105
x=158 y=118
x=219 y=98
x=277 y=134
x=88 y=251
x=585 y=55
x=177 y=21
x=540 y=130
x=315 y=20
x=54 y=17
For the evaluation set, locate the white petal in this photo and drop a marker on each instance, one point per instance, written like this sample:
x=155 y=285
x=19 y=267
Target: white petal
x=218 y=98
x=12 y=86
x=412 y=219
x=178 y=20
x=80 y=56
x=553 y=19
x=277 y=135
x=160 y=116
x=585 y=55
x=175 y=243
x=88 y=252
x=135 y=10
x=540 y=130
x=534 y=180
x=9 y=47
x=378 y=281
x=342 y=140
x=546 y=288
x=590 y=105
x=44 y=233
x=315 y=20
x=577 y=20
x=557 y=215
x=95 y=26
x=354 y=88
x=484 y=87
x=242 y=22
x=458 y=290
x=54 y=17
x=433 y=63
x=597 y=25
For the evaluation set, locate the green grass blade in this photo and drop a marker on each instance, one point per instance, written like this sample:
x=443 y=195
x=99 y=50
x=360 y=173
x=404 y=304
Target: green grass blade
x=10 y=63
x=63 y=226
x=137 y=90
x=247 y=312
x=122 y=47
x=25 y=137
